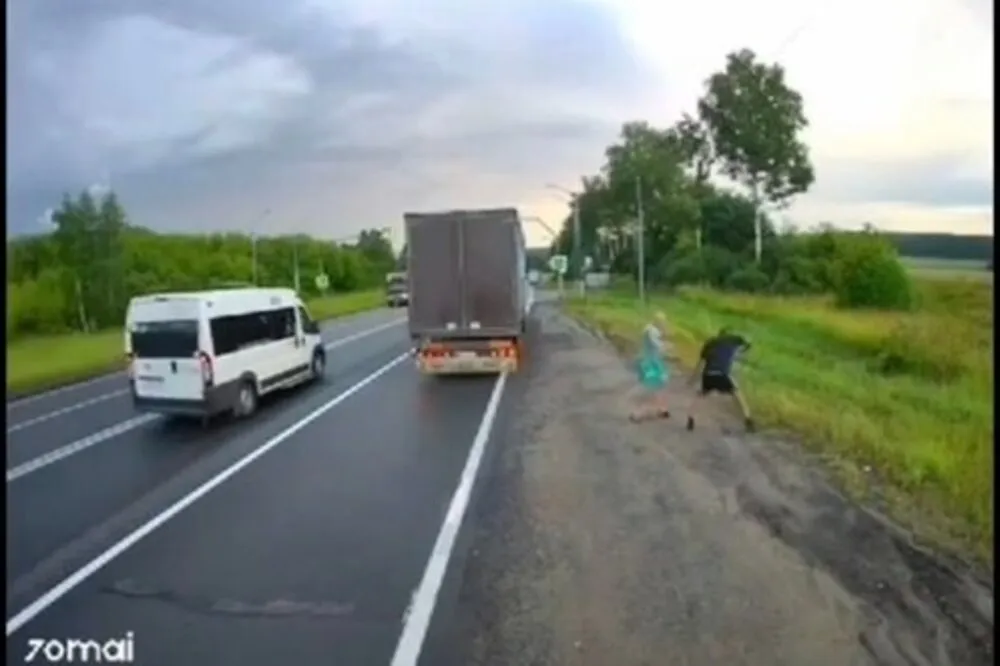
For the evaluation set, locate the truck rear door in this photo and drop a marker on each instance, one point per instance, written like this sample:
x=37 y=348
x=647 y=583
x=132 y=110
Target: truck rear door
x=490 y=290
x=435 y=273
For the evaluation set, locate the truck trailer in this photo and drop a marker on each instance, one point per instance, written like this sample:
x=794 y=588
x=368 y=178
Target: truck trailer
x=469 y=297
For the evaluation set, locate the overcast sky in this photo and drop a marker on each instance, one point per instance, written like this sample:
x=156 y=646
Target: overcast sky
x=339 y=115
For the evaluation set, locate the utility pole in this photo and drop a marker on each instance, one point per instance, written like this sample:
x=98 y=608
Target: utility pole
x=253 y=251
x=577 y=244
x=295 y=264
x=641 y=240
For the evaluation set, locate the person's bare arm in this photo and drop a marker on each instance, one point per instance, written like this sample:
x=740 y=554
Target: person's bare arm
x=743 y=348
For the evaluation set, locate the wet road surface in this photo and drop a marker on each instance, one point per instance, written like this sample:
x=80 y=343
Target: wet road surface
x=312 y=551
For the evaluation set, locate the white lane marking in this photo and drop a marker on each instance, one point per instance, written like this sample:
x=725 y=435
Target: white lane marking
x=95 y=565
x=65 y=410
x=417 y=617
x=28 y=399
x=56 y=455
x=113 y=431
x=107 y=396
x=363 y=334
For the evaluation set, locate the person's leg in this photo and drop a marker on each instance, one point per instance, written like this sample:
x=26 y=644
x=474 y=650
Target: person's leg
x=741 y=403
x=646 y=406
x=661 y=405
x=661 y=402
x=704 y=388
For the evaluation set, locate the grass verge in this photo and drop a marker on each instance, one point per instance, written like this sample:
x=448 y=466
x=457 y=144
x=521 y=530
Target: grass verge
x=907 y=396
x=39 y=363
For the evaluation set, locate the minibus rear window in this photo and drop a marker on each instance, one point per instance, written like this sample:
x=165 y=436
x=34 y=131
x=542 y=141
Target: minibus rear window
x=165 y=339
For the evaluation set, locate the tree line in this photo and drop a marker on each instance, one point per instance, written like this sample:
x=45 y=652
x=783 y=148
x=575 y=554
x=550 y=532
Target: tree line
x=943 y=246
x=81 y=275
x=746 y=132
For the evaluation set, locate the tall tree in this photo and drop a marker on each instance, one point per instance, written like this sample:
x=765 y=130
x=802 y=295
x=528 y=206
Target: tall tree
x=695 y=144
x=648 y=162
x=77 y=230
x=110 y=224
x=754 y=119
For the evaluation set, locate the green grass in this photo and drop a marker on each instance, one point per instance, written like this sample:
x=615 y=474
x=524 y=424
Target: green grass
x=38 y=363
x=908 y=395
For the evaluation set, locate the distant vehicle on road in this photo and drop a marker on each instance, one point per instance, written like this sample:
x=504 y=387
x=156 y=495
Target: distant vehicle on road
x=534 y=277
x=204 y=353
x=469 y=297
x=397 y=290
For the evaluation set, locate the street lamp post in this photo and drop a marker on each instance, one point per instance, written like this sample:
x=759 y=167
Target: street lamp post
x=574 y=202
x=641 y=231
x=542 y=223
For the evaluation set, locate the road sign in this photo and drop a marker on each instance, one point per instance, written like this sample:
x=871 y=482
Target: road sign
x=322 y=282
x=558 y=263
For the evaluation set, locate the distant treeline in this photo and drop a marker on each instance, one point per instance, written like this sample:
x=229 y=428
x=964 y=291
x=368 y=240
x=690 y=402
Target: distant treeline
x=81 y=276
x=942 y=246
x=923 y=245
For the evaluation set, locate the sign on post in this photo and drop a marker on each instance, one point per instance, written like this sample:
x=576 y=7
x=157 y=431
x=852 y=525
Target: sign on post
x=322 y=282
x=558 y=264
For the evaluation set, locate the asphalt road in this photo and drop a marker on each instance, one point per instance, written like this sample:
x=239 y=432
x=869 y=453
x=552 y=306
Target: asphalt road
x=303 y=535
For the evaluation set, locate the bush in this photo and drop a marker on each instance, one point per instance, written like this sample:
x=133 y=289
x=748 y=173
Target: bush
x=38 y=306
x=748 y=279
x=679 y=269
x=720 y=263
x=868 y=274
x=800 y=264
x=711 y=265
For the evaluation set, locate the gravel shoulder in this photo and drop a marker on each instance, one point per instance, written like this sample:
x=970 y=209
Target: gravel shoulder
x=602 y=542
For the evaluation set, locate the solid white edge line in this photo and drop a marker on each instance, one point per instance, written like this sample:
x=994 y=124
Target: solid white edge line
x=106 y=396
x=80 y=575
x=417 y=617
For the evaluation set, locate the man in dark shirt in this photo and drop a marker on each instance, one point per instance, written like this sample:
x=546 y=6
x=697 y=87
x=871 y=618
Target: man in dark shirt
x=715 y=368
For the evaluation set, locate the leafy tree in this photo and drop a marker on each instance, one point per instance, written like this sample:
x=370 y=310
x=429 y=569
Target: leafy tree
x=646 y=166
x=695 y=145
x=754 y=119
x=728 y=220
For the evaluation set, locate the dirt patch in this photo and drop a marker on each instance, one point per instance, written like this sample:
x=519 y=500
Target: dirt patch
x=603 y=542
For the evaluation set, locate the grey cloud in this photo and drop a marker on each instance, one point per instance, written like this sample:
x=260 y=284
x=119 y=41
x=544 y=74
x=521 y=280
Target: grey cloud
x=374 y=121
x=940 y=181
